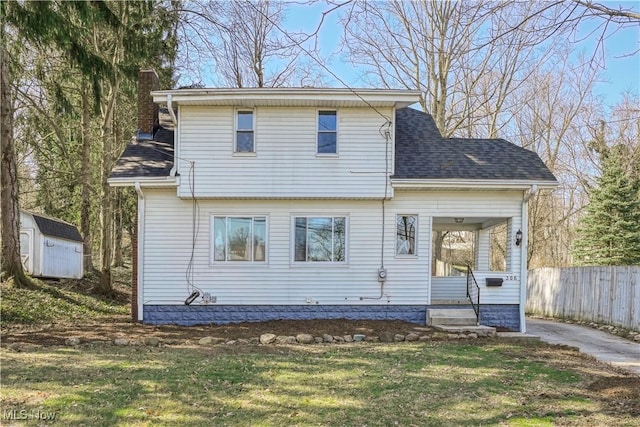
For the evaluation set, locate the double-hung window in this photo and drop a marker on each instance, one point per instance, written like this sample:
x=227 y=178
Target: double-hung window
x=320 y=239
x=237 y=238
x=406 y=232
x=245 y=142
x=327 y=132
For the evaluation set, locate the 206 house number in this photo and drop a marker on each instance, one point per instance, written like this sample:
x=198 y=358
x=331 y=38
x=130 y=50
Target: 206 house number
x=511 y=277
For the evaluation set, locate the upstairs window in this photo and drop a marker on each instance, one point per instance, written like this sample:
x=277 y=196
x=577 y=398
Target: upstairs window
x=320 y=239
x=244 y=132
x=327 y=132
x=239 y=239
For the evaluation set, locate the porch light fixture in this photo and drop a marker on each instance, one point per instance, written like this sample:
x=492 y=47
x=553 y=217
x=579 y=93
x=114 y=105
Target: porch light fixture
x=518 y=237
x=458 y=220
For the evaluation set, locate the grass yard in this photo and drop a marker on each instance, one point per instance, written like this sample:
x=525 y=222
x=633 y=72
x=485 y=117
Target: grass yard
x=494 y=382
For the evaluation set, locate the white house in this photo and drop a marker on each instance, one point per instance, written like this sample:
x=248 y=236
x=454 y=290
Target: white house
x=298 y=203
x=50 y=247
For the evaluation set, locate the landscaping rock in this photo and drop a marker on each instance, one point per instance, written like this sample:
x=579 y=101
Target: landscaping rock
x=317 y=340
x=327 y=338
x=290 y=340
x=231 y=342
x=72 y=341
x=281 y=339
x=636 y=338
x=267 y=338
x=412 y=337
x=359 y=337
x=211 y=341
x=254 y=340
x=304 y=338
x=398 y=337
x=121 y=341
x=453 y=336
x=338 y=340
x=347 y=338
x=386 y=336
x=472 y=335
x=372 y=338
x=151 y=341
x=424 y=338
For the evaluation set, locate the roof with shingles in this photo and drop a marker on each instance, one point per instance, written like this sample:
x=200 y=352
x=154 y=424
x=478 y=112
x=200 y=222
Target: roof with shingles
x=422 y=153
x=56 y=228
x=147 y=158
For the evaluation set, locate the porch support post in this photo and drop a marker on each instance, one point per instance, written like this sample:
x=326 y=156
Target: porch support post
x=523 y=254
x=483 y=246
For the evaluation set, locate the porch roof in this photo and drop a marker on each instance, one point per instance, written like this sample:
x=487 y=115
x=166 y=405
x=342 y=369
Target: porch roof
x=423 y=154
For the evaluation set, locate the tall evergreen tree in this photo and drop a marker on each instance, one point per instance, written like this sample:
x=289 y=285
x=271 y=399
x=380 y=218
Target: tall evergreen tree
x=609 y=233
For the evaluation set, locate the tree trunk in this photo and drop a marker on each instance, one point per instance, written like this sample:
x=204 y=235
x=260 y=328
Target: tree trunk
x=106 y=211
x=117 y=236
x=85 y=204
x=9 y=208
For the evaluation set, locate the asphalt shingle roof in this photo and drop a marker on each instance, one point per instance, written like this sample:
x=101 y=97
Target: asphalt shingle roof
x=147 y=158
x=57 y=228
x=422 y=153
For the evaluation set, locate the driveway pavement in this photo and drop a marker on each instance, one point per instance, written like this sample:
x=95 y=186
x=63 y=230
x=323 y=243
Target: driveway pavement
x=601 y=345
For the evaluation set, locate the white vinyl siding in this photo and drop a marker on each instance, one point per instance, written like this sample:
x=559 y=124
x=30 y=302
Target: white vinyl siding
x=285 y=164
x=168 y=245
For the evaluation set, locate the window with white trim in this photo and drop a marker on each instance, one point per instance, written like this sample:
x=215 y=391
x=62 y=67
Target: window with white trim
x=244 y=132
x=238 y=238
x=320 y=239
x=327 y=132
x=406 y=233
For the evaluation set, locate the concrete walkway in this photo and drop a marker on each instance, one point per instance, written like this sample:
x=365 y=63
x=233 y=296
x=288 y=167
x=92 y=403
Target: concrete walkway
x=601 y=345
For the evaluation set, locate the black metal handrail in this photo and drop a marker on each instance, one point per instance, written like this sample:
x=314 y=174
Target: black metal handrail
x=473 y=293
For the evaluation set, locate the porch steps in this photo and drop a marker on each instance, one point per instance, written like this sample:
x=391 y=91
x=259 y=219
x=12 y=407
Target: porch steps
x=451 y=317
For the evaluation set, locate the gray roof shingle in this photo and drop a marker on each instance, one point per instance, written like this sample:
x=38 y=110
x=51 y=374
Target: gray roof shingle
x=57 y=228
x=148 y=158
x=422 y=153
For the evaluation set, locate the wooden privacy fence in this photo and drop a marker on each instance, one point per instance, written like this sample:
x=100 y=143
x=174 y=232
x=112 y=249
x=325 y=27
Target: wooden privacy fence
x=609 y=295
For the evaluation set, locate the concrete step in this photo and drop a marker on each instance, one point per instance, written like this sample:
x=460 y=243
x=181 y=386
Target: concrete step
x=451 y=316
x=452 y=320
x=481 y=330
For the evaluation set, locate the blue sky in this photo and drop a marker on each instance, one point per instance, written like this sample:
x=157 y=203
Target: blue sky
x=621 y=63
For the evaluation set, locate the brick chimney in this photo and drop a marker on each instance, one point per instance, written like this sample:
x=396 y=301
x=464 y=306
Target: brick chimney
x=147 y=110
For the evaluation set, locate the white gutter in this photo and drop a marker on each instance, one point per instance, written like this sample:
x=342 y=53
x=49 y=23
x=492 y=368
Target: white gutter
x=140 y=249
x=418 y=184
x=523 y=254
x=174 y=120
x=164 y=181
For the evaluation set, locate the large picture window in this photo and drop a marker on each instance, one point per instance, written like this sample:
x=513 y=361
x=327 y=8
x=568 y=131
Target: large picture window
x=406 y=227
x=320 y=239
x=327 y=132
x=239 y=238
x=244 y=132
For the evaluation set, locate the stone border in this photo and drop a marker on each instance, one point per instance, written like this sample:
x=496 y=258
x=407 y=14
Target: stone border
x=299 y=339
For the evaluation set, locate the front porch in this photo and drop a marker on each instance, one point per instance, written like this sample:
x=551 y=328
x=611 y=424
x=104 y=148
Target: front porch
x=491 y=248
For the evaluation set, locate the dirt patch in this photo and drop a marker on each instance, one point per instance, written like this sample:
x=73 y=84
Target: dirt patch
x=622 y=394
x=93 y=332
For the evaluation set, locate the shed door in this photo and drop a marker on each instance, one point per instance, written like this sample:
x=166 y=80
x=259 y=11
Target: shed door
x=26 y=249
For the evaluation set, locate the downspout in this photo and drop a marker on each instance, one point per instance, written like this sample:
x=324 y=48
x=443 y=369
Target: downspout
x=523 y=254
x=176 y=139
x=140 y=251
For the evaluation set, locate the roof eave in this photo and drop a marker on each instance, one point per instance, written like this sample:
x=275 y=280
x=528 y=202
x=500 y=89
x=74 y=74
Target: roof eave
x=292 y=96
x=471 y=184
x=164 y=181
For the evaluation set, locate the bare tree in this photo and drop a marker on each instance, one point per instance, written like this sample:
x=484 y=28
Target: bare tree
x=244 y=45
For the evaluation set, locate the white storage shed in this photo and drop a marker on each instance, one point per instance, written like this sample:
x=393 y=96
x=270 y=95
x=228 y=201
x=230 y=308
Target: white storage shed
x=50 y=247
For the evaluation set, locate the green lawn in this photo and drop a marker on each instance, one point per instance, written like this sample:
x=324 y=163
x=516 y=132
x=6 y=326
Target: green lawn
x=446 y=383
